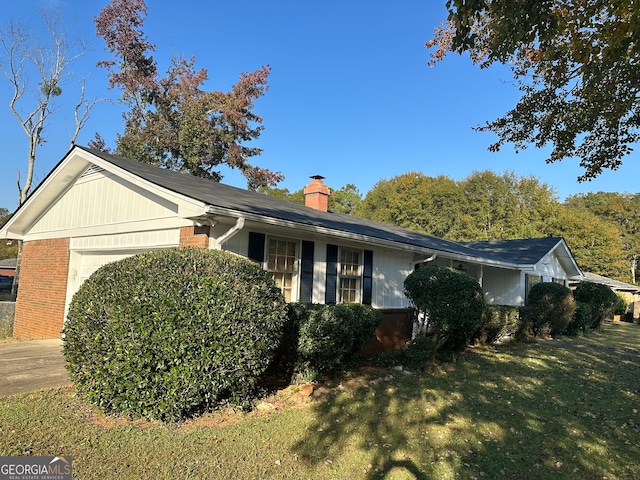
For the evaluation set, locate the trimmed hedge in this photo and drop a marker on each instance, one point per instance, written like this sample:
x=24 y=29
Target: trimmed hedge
x=601 y=299
x=498 y=321
x=581 y=320
x=453 y=302
x=169 y=334
x=550 y=308
x=322 y=338
x=621 y=305
x=416 y=355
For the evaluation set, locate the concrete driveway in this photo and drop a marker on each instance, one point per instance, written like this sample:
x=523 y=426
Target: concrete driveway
x=32 y=365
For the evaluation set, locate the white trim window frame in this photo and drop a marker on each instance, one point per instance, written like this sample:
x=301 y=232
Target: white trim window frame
x=282 y=263
x=350 y=268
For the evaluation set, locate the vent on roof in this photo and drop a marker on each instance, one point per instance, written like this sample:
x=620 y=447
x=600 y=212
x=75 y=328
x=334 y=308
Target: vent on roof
x=92 y=170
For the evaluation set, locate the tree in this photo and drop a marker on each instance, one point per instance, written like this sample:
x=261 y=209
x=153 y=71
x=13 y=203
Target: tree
x=344 y=200
x=623 y=209
x=483 y=206
x=415 y=201
x=504 y=206
x=576 y=64
x=283 y=194
x=45 y=54
x=7 y=250
x=594 y=242
x=173 y=121
x=489 y=206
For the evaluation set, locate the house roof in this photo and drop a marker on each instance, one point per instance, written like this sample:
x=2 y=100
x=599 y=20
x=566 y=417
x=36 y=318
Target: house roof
x=222 y=199
x=8 y=263
x=527 y=250
x=246 y=201
x=611 y=283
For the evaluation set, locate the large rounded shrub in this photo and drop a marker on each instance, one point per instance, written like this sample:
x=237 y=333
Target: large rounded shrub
x=452 y=301
x=550 y=308
x=601 y=299
x=168 y=334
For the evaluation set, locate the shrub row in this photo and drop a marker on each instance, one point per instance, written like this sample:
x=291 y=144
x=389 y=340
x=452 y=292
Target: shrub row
x=452 y=306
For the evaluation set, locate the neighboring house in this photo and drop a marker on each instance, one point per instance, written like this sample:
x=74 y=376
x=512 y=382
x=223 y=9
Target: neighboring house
x=628 y=291
x=8 y=267
x=95 y=208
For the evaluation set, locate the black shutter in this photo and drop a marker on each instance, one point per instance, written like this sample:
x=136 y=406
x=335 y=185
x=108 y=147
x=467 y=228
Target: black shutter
x=332 y=274
x=306 y=272
x=256 y=247
x=367 y=277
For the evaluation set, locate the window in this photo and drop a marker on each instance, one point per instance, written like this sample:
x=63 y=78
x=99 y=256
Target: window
x=350 y=274
x=530 y=281
x=283 y=266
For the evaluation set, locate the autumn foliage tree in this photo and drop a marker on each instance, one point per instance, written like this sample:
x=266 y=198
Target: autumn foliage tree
x=173 y=121
x=575 y=63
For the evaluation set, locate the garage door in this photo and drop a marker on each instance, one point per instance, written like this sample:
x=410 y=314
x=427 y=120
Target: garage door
x=89 y=263
x=83 y=264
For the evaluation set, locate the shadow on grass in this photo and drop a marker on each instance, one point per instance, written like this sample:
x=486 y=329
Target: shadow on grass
x=521 y=411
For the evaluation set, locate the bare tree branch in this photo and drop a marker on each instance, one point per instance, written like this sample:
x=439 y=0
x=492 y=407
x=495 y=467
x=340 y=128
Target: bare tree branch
x=49 y=57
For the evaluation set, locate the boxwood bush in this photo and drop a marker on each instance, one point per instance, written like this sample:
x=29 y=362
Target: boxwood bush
x=498 y=321
x=601 y=299
x=581 y=320
x=452 y=301
x=416 y=354
x=550 y=308
x=323 y=338
x=169 y=334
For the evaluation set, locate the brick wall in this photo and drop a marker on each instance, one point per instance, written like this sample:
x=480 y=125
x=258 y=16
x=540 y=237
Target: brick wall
x=393 y=332
x=44 y=268
x=195 y=236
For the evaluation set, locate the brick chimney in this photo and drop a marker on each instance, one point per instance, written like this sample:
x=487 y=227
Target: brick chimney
x=316 y=194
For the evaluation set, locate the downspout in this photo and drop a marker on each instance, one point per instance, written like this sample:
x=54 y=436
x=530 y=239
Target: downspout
x=230 y=233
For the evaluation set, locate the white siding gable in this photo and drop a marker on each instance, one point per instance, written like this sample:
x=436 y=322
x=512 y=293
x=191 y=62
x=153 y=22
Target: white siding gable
x=99 y=198
x=549 y=267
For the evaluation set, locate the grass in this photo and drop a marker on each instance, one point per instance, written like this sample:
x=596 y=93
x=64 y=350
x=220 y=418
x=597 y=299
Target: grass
x=519 y=411
x=6 y=328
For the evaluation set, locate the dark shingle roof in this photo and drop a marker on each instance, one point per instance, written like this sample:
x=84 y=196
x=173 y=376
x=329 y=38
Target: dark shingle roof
x=527 y=251
x=612 y=283
x=228 y=197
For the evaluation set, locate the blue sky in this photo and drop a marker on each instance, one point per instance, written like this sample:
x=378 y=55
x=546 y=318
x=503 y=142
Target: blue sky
x=351 y=96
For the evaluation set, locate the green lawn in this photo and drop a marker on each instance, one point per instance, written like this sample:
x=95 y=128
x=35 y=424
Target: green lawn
x=519 y=411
